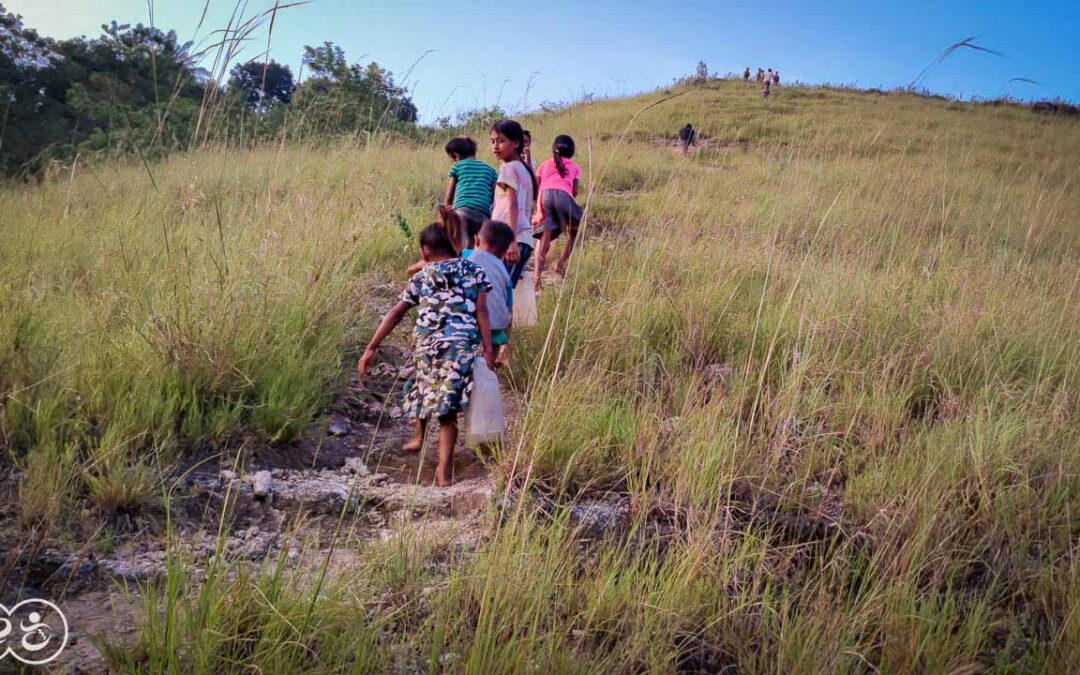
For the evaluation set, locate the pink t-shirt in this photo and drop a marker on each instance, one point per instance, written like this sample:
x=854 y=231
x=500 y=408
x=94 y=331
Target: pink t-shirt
x=548 y=175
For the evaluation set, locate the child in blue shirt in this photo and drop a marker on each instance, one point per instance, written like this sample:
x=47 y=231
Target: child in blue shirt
x=492 y=242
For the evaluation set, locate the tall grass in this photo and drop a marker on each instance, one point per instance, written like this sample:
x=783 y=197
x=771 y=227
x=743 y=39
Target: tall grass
x=830 y=359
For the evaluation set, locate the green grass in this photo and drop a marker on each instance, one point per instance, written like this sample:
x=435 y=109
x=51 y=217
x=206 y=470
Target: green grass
x=888 y=283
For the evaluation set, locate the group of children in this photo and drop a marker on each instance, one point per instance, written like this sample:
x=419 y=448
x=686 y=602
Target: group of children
x=473 y=257
x=765 y=78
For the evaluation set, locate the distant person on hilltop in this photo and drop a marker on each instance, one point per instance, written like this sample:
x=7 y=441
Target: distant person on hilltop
x=759 y=76
x=746 y=74
x=766 y=87
x=686 y=137
x=776 y=77
x=471 y=188
x=557 y=208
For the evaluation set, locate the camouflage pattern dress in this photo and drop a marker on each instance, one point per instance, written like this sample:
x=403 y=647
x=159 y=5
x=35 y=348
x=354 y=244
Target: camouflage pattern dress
x=447 y=336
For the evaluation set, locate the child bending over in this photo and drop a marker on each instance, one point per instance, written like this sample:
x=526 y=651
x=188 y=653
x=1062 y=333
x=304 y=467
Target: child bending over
x=452 y=329
x=558 y=209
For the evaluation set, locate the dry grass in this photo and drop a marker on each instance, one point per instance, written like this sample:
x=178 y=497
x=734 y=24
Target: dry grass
x=834 y=351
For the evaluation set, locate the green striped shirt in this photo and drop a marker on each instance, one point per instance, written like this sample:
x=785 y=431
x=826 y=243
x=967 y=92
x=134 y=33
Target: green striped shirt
x=475 y=184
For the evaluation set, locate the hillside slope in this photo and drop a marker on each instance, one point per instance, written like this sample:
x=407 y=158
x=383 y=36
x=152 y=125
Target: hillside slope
x=824 y=369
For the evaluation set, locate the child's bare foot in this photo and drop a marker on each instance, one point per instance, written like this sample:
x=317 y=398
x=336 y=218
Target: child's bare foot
x=416 y=443
x=443 y=477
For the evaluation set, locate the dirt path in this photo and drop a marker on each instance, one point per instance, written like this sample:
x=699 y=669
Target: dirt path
x=347 y=476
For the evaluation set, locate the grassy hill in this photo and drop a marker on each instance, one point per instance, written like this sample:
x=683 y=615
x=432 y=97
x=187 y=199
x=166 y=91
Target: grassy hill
x=830 y=359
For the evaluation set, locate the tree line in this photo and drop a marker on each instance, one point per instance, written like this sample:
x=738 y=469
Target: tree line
x=137 y=90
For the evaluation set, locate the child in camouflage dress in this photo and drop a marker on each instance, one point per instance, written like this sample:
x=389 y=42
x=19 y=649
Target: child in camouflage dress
x=452 y=329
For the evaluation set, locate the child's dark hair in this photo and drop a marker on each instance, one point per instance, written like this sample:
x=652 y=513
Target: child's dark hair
x=433 y=238
x=516 y=135
x=498 y=236
x=563 y=146
x=450 y=222
x=461 y=147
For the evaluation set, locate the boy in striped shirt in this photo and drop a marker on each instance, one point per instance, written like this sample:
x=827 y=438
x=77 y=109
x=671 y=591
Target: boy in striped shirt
x=471 y=189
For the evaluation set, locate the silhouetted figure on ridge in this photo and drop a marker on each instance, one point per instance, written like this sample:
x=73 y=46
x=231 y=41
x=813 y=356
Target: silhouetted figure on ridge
x=686 y=137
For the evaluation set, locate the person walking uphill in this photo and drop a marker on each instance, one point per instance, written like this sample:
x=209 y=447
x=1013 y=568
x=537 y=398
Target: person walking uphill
x=558 y=209
x=515 y=191
x=452 y=329
x=471 y=188
x=686 y=137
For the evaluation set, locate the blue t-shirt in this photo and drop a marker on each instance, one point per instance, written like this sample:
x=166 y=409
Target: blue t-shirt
x=500 y=298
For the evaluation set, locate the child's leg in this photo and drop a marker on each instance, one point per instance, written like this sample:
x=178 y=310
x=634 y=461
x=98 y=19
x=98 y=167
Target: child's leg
x=541 y=257
x=415 y=443
x=571 y=237
x=448 y=431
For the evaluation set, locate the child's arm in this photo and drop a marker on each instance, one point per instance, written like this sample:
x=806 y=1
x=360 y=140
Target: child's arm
x=392 y=319
x=483 y=322
x=504 y=350
x=451 y=188
x=512 y=253
x=577 y=182
x=415 y=267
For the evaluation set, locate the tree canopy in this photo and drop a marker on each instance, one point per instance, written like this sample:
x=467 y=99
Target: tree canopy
x=138 y=89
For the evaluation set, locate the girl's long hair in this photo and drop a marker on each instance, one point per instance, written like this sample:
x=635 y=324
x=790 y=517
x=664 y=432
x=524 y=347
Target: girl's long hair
x=450 y=222
x=562 y=147
x=516 y=135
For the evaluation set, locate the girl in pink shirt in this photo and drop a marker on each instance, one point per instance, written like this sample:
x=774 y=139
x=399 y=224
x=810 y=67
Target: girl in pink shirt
x=557 y=208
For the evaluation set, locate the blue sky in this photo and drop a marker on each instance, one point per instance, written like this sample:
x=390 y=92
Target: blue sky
x=556 y=51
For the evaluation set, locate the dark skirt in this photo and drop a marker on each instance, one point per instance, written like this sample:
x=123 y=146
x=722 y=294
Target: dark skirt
x=561 y=212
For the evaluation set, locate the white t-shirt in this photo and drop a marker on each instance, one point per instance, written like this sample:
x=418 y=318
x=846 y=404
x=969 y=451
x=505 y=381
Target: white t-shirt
x=515 y=175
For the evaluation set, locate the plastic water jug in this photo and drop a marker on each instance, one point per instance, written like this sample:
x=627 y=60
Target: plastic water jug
x=484 y=416
x=524 y=302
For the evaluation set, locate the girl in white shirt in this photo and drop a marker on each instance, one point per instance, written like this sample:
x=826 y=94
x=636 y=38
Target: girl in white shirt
x=515 y=192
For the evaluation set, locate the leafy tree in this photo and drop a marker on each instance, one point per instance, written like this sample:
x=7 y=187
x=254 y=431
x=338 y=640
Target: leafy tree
x=339 y=97
x=481 y=118
x=137 y=89
x=263 y=84
x=702 y=71
x=138 y=86
x=33 y=113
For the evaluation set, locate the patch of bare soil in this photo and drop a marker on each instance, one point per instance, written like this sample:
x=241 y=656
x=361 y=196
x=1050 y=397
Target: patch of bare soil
x=703 y=143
